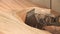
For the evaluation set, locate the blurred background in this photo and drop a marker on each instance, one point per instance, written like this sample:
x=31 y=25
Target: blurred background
x=55 y=4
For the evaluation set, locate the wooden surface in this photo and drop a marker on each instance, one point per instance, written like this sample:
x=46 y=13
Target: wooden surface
x=9 y=21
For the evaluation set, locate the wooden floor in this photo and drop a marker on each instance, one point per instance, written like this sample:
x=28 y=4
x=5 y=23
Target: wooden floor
x=9 y=22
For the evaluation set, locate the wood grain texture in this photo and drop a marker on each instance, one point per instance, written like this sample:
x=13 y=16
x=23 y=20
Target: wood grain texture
x=9 y=22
